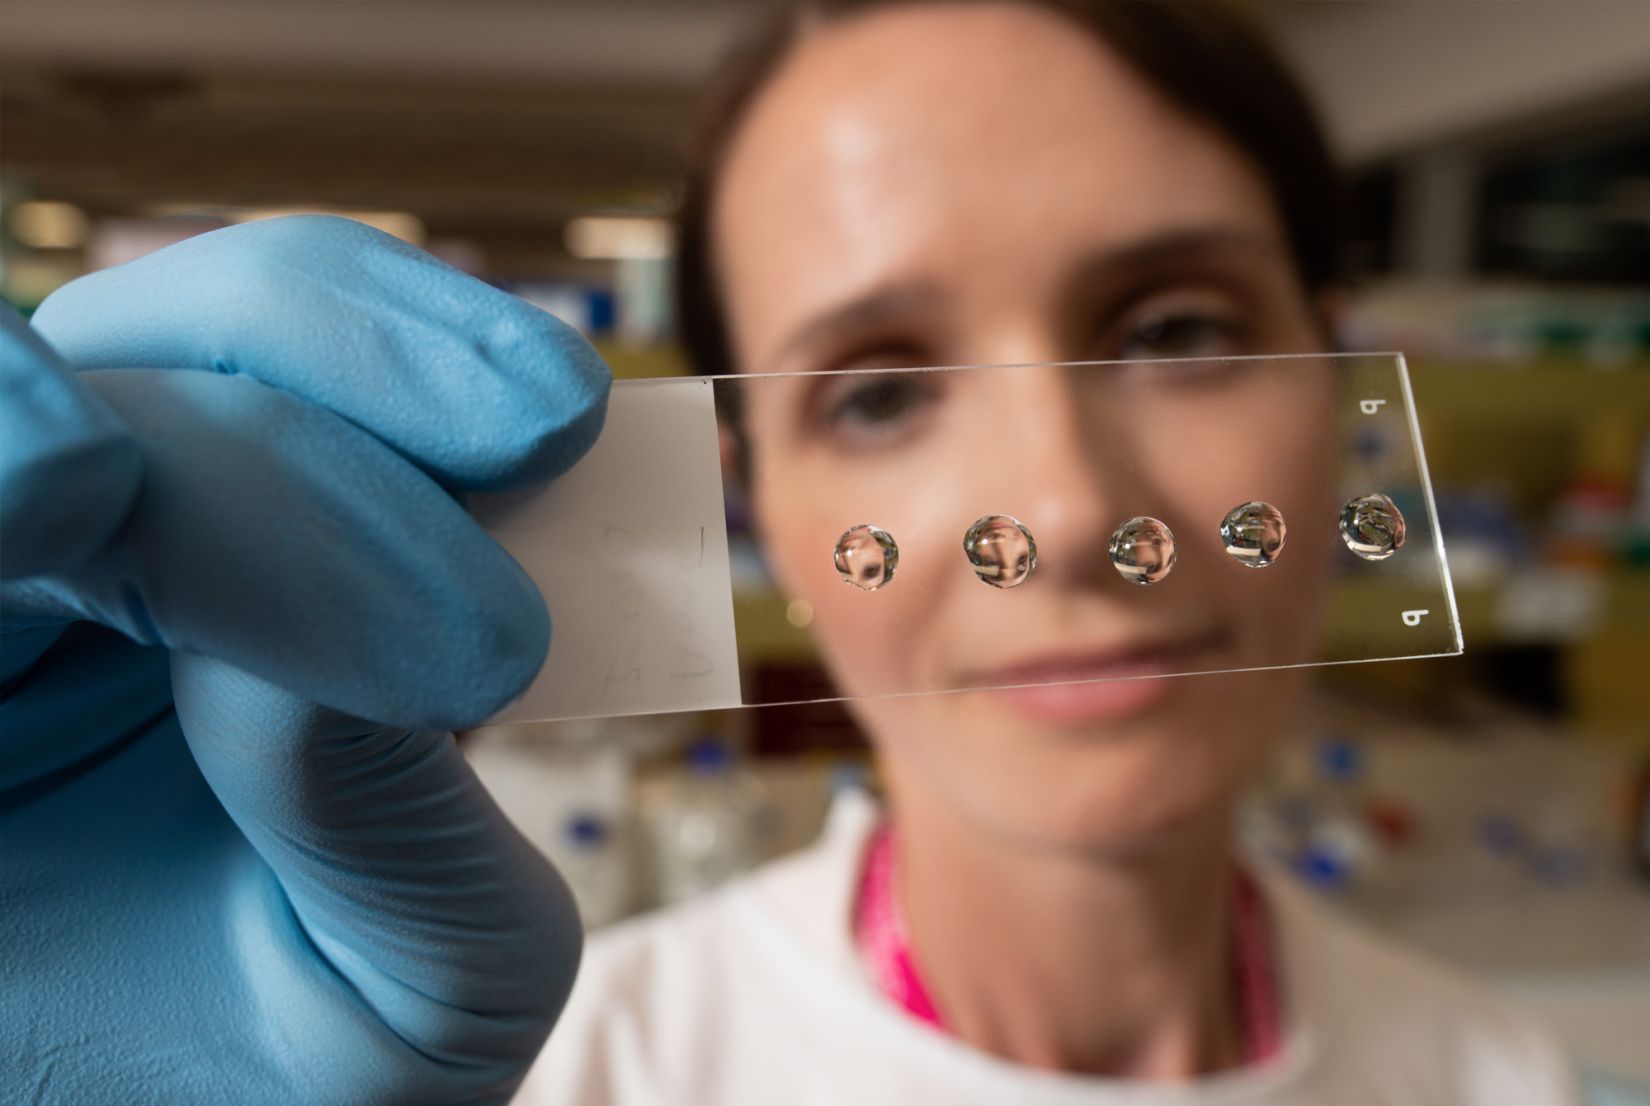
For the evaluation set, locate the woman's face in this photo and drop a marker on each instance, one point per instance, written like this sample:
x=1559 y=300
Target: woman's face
x=985 y=184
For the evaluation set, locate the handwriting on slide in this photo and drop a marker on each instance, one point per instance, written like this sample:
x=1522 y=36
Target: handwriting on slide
x=623 y=606
x=688 y=662
x=642 y=611
x=667 y=634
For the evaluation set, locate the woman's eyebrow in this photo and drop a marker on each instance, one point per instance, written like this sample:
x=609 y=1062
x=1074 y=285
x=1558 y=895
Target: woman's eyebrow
x=888 y=304
x=879 y=307
x=1168 y=247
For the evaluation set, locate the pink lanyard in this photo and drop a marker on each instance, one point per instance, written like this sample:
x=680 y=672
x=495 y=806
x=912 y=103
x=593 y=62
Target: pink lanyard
x=880 y=932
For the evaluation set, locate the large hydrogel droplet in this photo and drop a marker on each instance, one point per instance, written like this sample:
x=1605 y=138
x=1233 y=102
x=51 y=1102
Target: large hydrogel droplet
x=1372 y=527
x=1253 y=533
x=1001 y=551
x=1142 y=549
x=866 y=556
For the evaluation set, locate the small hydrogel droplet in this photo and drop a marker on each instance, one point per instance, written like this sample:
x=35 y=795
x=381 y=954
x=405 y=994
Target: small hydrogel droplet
x=1372 y=527
x=1253 y=533
x=1142 y=550
x=866 y=556
x=1001 y=551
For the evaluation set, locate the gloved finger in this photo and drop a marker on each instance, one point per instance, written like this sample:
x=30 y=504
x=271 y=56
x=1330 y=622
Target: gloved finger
x=475 y=386
x=68 y=469
x=273 y=534
x=403 y=873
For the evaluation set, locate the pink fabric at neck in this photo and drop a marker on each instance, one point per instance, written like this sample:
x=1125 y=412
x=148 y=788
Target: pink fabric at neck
x=879 y=927
x=885 y=946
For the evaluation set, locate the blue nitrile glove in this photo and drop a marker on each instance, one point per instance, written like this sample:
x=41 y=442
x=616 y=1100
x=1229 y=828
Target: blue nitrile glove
x=229 y=536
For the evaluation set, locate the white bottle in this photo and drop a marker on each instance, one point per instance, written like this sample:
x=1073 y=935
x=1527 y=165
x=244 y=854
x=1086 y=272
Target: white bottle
x=569 y=792
x=703 y=831
x=1340 y=852
x=589 y=854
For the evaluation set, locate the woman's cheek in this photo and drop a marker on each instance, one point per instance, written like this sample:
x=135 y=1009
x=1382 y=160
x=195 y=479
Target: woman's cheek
x=874 y=642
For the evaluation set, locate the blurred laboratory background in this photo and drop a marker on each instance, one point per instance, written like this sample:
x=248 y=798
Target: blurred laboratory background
x=1490 y=808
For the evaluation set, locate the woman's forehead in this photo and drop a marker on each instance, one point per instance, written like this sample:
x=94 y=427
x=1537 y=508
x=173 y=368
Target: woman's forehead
x=947 y=137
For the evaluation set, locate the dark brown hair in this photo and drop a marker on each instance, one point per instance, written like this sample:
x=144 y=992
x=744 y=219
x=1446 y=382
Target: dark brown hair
x=1203 y=56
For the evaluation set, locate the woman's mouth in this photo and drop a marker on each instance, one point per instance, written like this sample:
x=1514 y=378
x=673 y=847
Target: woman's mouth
x=1088 y=685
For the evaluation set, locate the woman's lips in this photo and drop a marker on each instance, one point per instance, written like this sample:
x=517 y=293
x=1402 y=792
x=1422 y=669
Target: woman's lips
x=1093 y=686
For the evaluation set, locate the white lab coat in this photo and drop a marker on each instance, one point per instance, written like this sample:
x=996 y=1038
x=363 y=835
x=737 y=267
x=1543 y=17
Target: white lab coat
x=755 y=996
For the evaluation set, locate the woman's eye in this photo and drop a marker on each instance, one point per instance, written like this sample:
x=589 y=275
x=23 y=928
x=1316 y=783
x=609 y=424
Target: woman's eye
x=876 y=408
x=1181 y=334
x=881 y=399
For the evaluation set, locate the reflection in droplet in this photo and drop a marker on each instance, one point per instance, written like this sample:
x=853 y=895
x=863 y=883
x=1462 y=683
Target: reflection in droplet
x=1372 y=527
x=1253 y=533
x=1142 y=549
x=1001 y=551
x=866 y=556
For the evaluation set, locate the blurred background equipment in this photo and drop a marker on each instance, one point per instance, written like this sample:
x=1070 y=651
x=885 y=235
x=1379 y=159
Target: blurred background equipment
x=1491 y=809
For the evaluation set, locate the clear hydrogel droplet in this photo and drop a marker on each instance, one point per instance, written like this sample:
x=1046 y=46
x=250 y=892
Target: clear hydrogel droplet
x=1142 y=550
x=1253 y=533
x=866 y=556
x=1001 y=551
x=1372 y=527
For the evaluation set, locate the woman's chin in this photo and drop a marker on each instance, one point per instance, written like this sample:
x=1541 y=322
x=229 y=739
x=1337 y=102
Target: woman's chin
x=1128 y=791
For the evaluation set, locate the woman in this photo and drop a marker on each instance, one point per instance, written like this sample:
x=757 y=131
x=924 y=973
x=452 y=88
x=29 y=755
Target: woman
x=1049 y=909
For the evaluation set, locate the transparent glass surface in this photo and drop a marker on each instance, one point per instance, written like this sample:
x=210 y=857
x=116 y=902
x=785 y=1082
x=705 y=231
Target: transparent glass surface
x=695 y=552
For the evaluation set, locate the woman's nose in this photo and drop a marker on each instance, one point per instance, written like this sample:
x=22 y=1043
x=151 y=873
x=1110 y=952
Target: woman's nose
x=1061 y=479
